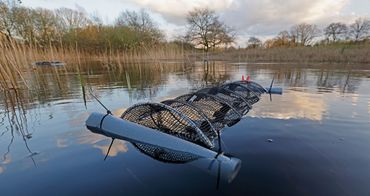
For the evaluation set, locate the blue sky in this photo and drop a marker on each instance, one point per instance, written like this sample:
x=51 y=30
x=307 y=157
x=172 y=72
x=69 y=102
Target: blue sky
x=262 y=18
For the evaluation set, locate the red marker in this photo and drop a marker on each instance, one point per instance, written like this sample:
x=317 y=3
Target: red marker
x=248 y=78
x=242 y=77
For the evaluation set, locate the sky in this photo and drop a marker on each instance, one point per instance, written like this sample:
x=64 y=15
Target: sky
x=260 y=18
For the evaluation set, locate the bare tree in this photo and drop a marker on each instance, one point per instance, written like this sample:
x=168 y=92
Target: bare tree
x=7 y=22
x=284 y=39
x=269 y=43
x=206 y=31
x=96 y=19
x=138 y=20
x=142 y=23
x=46 y=27
x=70 y=19
x=359 y=29
x=335 y=30
x=303 y=34
x=25 y=24
x=221 y=35
x=254 y=42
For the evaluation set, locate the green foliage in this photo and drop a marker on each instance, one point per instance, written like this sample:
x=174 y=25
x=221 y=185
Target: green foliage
x=70 y=28
x=98 y=39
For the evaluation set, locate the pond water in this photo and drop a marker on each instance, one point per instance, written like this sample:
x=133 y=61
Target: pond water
x=312 y=140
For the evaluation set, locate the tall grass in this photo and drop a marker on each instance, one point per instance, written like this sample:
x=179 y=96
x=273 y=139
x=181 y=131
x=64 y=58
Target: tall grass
x=16 y=60
x=352 y=54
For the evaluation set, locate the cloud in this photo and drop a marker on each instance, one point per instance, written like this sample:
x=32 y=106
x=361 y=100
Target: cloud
x=253 y=16
x=270 y=16
x=261 y=18
x=175 y=11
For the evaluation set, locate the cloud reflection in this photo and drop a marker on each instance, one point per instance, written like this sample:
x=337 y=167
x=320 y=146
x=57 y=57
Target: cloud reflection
x=292 y=105
x=354 y=99
x=62 y=143
x=118 y=112
x=5 y=161
x=119 y=146
x=369 y=107
x=86 y=137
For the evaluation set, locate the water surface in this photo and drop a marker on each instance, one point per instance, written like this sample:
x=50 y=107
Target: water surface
x=319 y=130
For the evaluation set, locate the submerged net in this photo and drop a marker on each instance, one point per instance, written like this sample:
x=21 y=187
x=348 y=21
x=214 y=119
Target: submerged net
x=165 y=155
x=197 y=117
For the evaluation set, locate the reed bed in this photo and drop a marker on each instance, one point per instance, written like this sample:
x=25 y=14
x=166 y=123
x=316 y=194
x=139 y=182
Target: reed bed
x=320 y=54
x=16 y=60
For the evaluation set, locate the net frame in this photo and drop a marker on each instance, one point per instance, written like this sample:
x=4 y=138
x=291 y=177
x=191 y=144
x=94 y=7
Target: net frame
x=253 y=85
x=200 y=116
x=238 y=101
x=195 y=114
x=249 y=93
x=168 y=120
x=218 y=111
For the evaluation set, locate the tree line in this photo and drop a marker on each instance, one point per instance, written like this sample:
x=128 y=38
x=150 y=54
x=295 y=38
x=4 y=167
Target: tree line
x=73 y=27
x=305 y=34
x=136 y=30
x=131 y=29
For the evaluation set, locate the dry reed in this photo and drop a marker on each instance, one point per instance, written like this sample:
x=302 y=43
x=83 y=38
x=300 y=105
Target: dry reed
x=16 y=59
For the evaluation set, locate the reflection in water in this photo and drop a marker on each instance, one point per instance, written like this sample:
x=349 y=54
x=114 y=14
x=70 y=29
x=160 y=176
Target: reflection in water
x=15 y=112
x=225 y=168
x=4 y=162
x=345 y=82
x=62 y=143
x=166 y=148
x=296 y=105
x=117 y=147
x=96 y=141
x=369 y=107
x=354 y=99
x=50 y=118
x=117 y=112
x=22 y=108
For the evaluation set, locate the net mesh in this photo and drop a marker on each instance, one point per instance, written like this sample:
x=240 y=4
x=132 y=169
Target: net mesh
x=250 y=94
x=238 y=102
x=166 y=119
x=218 y=111
x=165 y=155
x=197 y=117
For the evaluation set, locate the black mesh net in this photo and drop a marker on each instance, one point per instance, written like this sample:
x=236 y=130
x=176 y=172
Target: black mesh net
x=218 y=111
x=195 y=114
x=236 y=100
x=166 y=119
x=250 y=94
x=198 y=117
x=255 y=87
x=164 y=154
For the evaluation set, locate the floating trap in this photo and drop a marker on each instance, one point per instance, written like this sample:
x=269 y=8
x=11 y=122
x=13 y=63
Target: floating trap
x=198 y=117
x=166 y=155
x=185 y=129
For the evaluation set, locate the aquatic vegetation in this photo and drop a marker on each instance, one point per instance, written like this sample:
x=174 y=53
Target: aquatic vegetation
x=17 y=61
